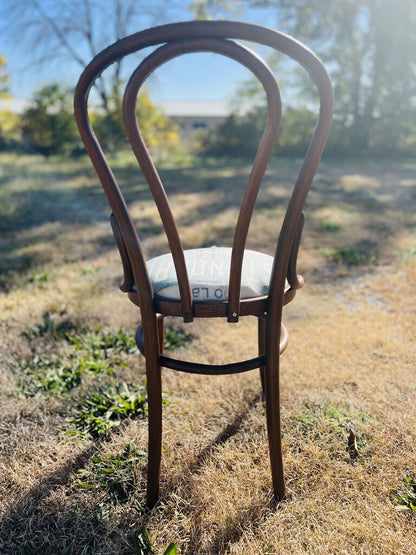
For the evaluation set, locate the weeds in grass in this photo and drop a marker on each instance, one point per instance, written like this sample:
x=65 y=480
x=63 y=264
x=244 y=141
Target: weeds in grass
x=38 y=277
x=102 y=410
x=55 y=377
x=176 y=338
x=143 y=546
x=351 y=256
x=93 y=341
x=100 y=340
x=406 y=500
x=98 y=411
x=316 y=421
x=410 y=254
x=329 y=227
x=51 y=376
x=115 y=475
x=50 y=327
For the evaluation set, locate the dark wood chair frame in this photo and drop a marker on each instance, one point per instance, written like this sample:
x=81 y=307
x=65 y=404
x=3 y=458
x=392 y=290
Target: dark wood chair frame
x=174 y=40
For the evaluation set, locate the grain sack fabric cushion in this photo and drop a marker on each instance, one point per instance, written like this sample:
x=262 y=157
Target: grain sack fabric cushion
x=209 y=274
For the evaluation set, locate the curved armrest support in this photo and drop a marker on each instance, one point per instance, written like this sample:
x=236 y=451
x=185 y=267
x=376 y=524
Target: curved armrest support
x=127 y=286
x=295 y=280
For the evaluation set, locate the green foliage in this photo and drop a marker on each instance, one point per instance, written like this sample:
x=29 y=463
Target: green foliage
x=115 y=475
x=352 y=256
x=96 y=342
x=158 y=132
x=176 y=338
x=370 y=61
x=329 y=227
x=93 y=348
x=9 y=130
x=240 y=135
x=344 y=429
x=296 y=131
x=102 y=410
x=56 y=377
x=4 y=78
x=48 y=126
x=95 y=413
x=50 y=327
x=143 y=546
x=100 y=340
x=38 y=277
x=98 y=411
x=371 y=65
x=50 y=376
x=9 y=122
x=406 y=499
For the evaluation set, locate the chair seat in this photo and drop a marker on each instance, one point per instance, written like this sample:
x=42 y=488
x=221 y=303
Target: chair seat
x=209 y=274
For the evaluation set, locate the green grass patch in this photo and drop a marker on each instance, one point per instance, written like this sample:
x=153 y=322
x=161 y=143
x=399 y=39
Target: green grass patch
x=48 y=376
x=49 y=327
x=175 y=338
x=327 y=226
x=101 y=340
x=351 y=256
x=405 y=497
x=341 y=430
x=114 y=474
x=102 y=410
x=56 y=377
x=143 y=546
x=38 y=277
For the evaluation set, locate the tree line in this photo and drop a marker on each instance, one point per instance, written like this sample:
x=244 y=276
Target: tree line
x=368 y=48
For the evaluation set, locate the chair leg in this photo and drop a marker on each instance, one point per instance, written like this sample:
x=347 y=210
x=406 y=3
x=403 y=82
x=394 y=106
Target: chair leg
x=154 y=404
x=272 y=394
x=261 y=322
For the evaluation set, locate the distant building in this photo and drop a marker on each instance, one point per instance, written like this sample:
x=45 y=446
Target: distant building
x=193 y=115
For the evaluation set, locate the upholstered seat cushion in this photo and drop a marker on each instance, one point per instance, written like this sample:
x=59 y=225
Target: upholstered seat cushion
x=209 y=273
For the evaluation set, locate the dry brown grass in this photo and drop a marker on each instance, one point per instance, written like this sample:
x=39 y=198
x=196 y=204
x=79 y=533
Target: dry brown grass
x=350 y=364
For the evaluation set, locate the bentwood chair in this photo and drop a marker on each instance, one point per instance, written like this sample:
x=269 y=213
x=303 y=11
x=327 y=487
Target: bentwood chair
x=235 y=282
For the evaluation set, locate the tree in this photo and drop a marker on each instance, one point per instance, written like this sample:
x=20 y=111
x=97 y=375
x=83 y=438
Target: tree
x=9 y=122
x=159 y=133
x=368 y=47
x=48 y=126
x=4 y=78
x=73 y=31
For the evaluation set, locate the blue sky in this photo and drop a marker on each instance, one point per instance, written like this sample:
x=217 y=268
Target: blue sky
x=205 y=77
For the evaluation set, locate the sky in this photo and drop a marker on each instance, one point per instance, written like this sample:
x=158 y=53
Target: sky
x=202 y=77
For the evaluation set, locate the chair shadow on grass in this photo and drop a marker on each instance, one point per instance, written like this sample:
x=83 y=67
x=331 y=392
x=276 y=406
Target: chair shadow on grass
x=18 y=532
x=235 y=526
x=31 y=523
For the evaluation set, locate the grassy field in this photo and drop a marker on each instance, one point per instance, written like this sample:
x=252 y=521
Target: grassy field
x=73 y=416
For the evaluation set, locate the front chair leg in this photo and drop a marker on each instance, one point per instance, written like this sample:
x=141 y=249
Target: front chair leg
x=271 y=379
x=154 y=404
x=152 y=334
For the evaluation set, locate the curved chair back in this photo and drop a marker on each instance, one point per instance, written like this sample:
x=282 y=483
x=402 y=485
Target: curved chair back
x=175 y=40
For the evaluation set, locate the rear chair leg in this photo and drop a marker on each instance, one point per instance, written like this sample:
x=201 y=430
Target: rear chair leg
x=261 y=323
x=273 y=427
x=272 y=394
